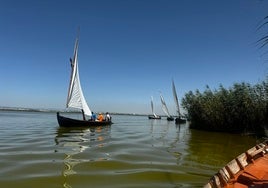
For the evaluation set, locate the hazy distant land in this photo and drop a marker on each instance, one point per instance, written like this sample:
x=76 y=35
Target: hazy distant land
x=4 y=108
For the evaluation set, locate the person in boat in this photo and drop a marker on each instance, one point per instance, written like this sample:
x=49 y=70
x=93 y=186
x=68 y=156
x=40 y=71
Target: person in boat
x=93 y=117
x=100 y=117
x=107 y=117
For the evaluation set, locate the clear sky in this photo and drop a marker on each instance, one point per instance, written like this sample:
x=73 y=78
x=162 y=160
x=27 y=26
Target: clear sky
x=129 y=50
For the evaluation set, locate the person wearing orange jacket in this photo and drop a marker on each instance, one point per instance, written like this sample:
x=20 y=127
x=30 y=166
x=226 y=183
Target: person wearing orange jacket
x=100 y=117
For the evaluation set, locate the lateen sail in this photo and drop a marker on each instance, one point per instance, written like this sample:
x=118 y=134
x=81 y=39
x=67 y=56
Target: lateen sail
x=176 y=98
x=76 y=97
x=152 y=106
x=164 y=106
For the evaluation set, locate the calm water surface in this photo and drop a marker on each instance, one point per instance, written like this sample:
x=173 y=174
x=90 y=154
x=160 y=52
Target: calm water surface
x=133 y=152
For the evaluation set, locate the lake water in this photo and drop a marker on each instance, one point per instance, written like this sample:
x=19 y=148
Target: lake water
x=133 y=152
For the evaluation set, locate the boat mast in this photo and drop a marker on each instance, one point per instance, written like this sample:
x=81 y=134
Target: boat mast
x=72 y=60
x=176 y=98
x=83 y=114
x=76 y=97
x=152 y=106
x=164 y=106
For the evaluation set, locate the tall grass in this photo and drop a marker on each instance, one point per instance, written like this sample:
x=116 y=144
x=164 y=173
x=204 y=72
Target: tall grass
x=242 y=108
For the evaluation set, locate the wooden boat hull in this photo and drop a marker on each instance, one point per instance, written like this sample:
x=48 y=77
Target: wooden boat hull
x=180 y=121
x=69 y=122
x=170 y=118
x=153 y=117
x=249 y=169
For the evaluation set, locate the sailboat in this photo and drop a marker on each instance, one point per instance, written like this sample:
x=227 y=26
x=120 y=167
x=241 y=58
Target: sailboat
x=165 y=109
x=154 y=116
x=76 y=99
x=178 y=119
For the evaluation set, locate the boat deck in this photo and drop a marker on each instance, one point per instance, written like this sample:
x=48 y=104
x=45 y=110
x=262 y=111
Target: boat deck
x=250 y=169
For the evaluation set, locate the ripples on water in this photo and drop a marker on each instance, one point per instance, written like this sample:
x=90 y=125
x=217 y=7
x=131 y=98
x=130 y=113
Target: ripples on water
x=133 y=152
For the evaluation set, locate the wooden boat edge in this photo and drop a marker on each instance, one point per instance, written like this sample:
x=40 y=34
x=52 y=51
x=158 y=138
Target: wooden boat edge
x=229 y=174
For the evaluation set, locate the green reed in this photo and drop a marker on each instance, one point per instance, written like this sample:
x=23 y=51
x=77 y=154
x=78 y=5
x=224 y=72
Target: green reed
x=242 y=108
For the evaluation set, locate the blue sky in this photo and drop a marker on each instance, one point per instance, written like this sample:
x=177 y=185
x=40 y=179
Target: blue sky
x=129 y=50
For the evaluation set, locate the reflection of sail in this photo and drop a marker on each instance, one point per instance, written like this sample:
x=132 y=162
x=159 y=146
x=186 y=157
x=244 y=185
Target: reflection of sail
x=174 y=139
x=73 y=142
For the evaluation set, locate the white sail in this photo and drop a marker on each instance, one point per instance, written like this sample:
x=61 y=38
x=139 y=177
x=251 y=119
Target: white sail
x=152 y=106
x=164 y=106
x=76 y=97
x=176 y=98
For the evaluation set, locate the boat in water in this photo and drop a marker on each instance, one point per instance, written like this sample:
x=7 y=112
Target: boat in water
x=165 y=109
x=70 y=122
x=76 y=100
x=249 y=169
x=179 y=119
x=154 y=116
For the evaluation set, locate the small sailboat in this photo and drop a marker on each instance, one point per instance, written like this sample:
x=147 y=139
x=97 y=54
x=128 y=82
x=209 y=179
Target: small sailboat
x=178 y=119
x=76 y=99
x=165 y=109
x=154 y=116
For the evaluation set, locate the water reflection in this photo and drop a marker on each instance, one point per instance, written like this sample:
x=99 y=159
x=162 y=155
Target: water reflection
x=209 y=151
x=72 y=141
x=173 y=137
x=76 y=143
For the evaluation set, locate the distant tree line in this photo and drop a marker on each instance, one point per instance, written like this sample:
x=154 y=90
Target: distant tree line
x=243 y=108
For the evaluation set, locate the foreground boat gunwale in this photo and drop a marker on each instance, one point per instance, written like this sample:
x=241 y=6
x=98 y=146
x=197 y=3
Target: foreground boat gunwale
x=249 y=169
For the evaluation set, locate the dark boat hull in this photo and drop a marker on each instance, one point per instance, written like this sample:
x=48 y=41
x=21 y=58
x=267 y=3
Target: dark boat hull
x=69 y=122
x=153 y=117
x=170 y=118
x=180 y=121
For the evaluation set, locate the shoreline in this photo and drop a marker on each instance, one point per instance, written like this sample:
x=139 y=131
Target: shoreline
x=22 y=109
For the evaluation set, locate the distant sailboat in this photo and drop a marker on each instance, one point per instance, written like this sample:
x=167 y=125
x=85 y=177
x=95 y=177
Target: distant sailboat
x=154 y=116
x=178 y=119
x=76 y=99
x=165 y=109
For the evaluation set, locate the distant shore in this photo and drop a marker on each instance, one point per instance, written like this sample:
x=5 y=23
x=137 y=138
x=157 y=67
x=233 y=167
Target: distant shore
x=23 y=109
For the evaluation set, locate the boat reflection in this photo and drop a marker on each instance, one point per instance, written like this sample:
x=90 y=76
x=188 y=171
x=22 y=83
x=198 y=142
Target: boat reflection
x=76 y=143
x=173 y=137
